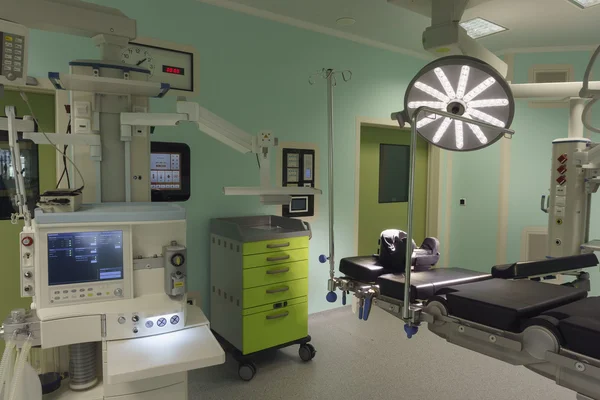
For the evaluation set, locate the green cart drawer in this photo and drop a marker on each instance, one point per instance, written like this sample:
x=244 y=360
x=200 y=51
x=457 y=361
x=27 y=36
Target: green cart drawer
x=277 y=257
x=272 y=328
x=269 y=246
x=275 y=293
x=262 y=276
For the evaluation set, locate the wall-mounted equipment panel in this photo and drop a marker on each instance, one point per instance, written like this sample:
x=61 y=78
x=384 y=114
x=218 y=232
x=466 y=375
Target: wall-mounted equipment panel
x=298 y=170
x=170 y=171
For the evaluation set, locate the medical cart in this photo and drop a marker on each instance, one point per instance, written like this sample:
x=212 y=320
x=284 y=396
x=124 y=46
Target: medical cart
x=259 y=286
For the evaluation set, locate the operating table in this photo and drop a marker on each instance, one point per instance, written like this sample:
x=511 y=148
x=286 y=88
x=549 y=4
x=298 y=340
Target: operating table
x=511 y=313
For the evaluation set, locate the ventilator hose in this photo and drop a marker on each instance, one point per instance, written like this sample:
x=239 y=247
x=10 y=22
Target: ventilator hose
x=6 y=356
x=20 y=367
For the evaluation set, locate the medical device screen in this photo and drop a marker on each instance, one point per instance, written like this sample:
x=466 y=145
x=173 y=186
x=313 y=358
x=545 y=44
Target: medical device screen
x=165 y=171
x=78 y=257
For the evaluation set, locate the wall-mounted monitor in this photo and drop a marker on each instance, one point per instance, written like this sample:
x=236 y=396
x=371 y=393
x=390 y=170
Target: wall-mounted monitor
x=170 y=171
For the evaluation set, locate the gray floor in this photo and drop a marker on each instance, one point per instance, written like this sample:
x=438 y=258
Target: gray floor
x=374 y=360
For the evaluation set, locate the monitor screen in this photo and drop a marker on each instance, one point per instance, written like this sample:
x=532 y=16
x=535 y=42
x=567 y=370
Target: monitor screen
x=165 y=171
x=80 y=257
x=299 y=204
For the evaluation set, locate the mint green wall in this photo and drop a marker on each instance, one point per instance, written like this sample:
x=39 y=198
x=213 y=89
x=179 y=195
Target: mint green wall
x=254 y=73
x=473 y=227
x=475 y=176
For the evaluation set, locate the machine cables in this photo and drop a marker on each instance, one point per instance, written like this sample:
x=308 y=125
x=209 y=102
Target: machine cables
x=65 y=171
x=65 y=156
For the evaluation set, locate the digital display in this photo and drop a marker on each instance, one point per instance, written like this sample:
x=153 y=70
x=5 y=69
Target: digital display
x=299 y=204
x=79 y=257
x=173 y=70
x=165 y=171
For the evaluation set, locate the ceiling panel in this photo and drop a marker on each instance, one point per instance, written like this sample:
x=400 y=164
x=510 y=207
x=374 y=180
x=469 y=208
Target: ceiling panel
x=531 y=23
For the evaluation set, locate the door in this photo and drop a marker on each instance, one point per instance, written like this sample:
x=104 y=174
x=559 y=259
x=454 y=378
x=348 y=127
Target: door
x=383 y=190
x=43 y=108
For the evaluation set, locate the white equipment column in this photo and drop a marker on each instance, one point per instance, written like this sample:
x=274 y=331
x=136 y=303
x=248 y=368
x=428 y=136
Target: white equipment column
x=121 y=170
x=569 y=203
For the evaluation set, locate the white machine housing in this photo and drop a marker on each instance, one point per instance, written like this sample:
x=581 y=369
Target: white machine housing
x=142 y=317
x=568 y=205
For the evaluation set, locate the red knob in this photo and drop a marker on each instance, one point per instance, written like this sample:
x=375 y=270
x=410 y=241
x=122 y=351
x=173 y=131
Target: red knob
x=27 y=241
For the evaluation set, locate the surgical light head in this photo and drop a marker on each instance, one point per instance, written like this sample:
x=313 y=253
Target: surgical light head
x=465 y=87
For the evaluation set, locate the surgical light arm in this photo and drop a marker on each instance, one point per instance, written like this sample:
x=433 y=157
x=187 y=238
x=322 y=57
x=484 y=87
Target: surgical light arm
x=445 y=36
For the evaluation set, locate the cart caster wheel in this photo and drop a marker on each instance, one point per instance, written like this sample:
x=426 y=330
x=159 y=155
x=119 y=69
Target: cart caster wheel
x=307 y=352
x=247 y=371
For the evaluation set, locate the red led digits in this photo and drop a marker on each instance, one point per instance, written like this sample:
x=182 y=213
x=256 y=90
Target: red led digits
x=172 y=70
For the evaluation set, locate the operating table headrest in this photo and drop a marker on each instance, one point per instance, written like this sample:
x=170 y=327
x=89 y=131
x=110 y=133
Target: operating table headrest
x=392 y=250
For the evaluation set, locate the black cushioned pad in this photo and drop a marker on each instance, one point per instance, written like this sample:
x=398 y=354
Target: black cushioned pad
x=364 y=269
x=579 y=324
x=425 y=284
x=550 y=266
x=506 y=304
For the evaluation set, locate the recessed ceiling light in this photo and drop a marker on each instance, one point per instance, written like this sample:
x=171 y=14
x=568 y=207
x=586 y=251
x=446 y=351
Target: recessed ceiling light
x=345 y=21
x=479 y=27
x=585 y=3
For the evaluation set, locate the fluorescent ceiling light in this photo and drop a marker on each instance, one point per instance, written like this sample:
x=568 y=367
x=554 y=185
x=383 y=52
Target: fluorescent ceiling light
x=585 y=3
x=479 y=27
x=345 y=21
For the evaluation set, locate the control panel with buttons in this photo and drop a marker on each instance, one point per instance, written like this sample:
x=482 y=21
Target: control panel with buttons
x=137 y=324
x=27 y=264
x=86 y=292
x=13 y=54
x=568 y=200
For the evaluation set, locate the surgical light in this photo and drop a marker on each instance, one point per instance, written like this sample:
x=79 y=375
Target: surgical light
x=585 y=3
x=478 y=27
x=440 y=118
x=459 y=134
x=465 y=87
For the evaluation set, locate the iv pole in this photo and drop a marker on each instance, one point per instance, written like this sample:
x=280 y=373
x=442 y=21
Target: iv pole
x=330 y=76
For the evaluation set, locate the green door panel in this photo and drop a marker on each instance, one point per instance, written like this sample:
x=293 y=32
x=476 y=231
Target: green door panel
x=373 y=216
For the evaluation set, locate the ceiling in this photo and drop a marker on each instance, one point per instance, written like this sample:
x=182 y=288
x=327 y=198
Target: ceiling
x=531 y=23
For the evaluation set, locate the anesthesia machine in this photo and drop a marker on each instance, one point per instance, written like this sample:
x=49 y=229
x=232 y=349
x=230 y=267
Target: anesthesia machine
x=108 y=280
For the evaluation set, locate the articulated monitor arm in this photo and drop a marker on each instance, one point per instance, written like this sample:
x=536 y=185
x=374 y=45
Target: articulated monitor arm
x=230 y=135
x=224 y=131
